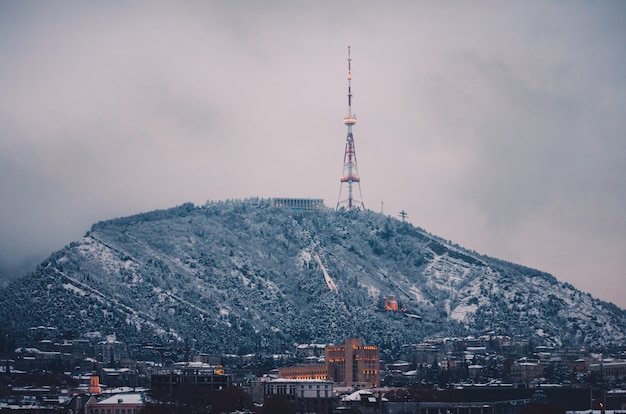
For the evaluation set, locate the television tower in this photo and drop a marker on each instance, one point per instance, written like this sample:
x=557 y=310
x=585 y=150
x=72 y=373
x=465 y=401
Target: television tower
x=350 y=175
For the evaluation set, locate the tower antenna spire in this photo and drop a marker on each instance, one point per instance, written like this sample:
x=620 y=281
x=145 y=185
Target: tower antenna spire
x=349 y=84
x=350 y=175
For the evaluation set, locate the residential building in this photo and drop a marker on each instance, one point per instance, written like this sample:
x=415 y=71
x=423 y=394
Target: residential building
x=309 y=396
x=190 y=376
x=524 y=372
x=111 y=351
x=305 y=351
x=131 y=403
x=210 y=359
x=363 y=401
x=615 y=369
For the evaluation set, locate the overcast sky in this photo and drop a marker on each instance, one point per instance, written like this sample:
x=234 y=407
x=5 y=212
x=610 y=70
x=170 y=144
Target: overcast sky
x=498 y=125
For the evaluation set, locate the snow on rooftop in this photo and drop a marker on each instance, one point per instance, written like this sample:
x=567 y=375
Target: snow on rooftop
x=307 y=380
x=132 y=398
x=361 y=395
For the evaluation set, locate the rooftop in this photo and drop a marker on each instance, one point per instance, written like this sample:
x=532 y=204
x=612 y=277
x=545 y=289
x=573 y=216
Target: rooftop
x=131 y=398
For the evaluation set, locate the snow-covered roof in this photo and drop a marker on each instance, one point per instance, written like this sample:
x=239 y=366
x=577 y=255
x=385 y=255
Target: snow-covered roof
x=194 y=364
x=320 y=381
x=361 y=395
x=132 y=398
x=124 y=390
x=113 y=370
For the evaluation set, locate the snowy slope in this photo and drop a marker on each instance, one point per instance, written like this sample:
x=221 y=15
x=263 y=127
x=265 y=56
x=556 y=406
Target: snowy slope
x=241 y=276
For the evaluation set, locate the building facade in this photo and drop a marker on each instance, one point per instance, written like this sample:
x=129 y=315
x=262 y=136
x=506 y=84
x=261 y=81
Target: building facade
x=131 y=403
x=190 y=377
x=353 y=364
x=304 y=372
x=525 y=372
x=349 y=364
x=303 y=204
x=614 y=369
x=308 y=396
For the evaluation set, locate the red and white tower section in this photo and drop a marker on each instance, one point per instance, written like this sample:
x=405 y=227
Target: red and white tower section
x=350 y=178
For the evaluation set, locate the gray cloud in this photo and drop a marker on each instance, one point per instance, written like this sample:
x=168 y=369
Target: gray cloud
x=499 y=126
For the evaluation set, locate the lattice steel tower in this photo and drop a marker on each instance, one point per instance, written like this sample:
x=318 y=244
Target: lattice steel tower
x=350 y=175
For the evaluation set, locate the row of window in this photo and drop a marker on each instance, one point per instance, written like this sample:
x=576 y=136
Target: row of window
x=113 y=411
x=318 y=393
x=282 y=389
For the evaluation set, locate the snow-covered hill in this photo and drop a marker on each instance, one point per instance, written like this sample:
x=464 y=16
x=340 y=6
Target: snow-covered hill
x=242 y=276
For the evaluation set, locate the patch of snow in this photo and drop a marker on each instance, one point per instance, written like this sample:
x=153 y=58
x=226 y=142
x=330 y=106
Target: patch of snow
x=461 y=312
x=372 y=291
x=73 y=288
x=447 y=273
x=417 y=294
x=303 y=259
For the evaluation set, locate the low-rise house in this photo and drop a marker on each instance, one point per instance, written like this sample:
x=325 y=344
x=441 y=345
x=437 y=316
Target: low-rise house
x=210 y=359
x=475 y=371
x=424 y=353
x=304 y=351
x=363 y=401
x=110 y=351
x=524 y=371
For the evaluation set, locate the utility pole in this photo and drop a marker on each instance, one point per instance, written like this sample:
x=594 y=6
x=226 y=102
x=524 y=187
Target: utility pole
x=404 y=215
